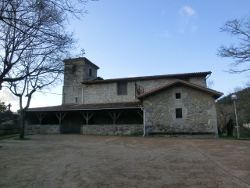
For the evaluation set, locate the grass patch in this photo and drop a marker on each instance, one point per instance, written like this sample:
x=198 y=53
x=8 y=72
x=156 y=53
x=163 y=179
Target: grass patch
x=8 y=136
x=14 y=136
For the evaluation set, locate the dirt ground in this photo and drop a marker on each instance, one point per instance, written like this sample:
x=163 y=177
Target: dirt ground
x=103 y=161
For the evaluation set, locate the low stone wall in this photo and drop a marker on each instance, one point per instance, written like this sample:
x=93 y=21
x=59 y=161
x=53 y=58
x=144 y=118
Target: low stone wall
x=184 y=134
x=42 y=129
x=9 y=128
x=129 y=129
x=180 y=131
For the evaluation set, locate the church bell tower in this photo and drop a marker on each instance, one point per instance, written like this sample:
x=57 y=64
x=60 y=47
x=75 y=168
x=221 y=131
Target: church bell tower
x=76 y=71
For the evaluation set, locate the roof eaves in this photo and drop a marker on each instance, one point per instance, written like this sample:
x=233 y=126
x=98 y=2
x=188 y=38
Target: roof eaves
x=80 y=59
x=77 y=107
x=155 y=90
x=175 y=76
x=51 y=108
x=214 y=93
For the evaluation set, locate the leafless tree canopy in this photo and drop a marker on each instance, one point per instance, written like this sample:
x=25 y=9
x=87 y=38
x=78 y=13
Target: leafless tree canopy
x=34 y=30
x=240 y=52
x=33 y=43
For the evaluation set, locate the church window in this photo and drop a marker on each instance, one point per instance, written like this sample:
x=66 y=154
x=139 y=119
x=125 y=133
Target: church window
x=73 y=69
x=178 y=95
x=122 y=88
x=178 y=112
x=90 y=72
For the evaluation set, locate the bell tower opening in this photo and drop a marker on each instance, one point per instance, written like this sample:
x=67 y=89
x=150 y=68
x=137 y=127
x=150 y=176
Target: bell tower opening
x=90 y=72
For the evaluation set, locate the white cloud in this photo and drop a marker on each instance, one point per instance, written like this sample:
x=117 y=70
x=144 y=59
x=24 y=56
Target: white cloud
x=187 y=11
x=188 y=18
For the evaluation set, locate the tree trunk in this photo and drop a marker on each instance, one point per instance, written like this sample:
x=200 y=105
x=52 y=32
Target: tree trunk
x=22 y=117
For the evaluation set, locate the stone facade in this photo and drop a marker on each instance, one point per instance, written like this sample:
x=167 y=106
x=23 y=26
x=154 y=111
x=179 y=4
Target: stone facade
x=162 y=104
x=78 y=70
x=75 y=72
x=107 y=92
x=42 y=129
x=109 y=129
x=198 y=112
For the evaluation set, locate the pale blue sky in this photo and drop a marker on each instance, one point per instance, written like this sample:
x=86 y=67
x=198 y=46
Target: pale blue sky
x=152 y=37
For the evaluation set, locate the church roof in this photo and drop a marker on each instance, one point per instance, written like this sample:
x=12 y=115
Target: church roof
x=81 y=59
x=214 y=93
x=169 y=76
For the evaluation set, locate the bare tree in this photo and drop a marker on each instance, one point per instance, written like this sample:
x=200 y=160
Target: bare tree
x=33 y=43
x=43 y=75
x=36 y=26
x=240 y=52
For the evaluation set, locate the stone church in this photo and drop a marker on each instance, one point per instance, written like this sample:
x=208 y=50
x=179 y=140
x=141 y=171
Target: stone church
x=171 y=104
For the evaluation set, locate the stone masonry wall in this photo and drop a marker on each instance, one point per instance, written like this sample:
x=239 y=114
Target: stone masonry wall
x=81 y=69
x=9 y=128
x=130 y=129
x=198 y=111
x=107 y=92
x=72 y=94
x=198 y=81
x=75 y=72
x=42 y=129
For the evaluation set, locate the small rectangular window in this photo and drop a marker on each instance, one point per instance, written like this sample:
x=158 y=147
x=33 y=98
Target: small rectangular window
x=122 y=88
x=76 y=99
x=177 y=95
x=178 y=112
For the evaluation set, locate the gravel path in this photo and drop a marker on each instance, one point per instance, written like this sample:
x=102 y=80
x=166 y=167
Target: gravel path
x=103 y=161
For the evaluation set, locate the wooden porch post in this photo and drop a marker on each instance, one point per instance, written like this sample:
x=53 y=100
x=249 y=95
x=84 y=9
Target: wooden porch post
x=87 y=116
x=114 y=116
x=40 y=116
x=60 y=116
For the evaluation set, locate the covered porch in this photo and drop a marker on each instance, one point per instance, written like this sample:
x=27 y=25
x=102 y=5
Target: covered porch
x=92 y=119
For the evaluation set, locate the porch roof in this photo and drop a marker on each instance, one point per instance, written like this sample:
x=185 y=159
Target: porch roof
x=78 y=107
